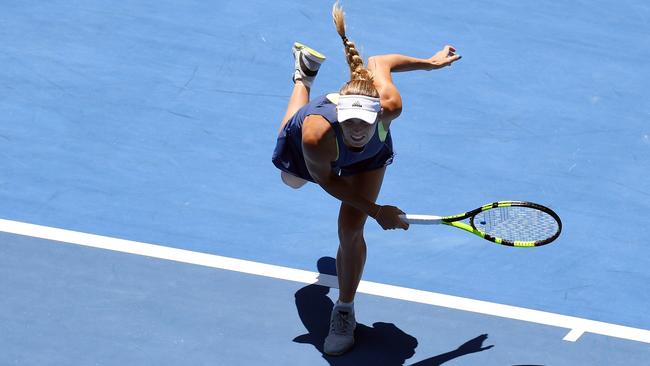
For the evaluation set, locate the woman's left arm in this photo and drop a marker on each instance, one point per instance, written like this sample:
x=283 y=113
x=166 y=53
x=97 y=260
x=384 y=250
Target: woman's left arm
x=382 y=66
x=401 y=63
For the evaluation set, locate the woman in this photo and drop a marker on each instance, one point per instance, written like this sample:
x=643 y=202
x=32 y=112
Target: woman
x=342 y=142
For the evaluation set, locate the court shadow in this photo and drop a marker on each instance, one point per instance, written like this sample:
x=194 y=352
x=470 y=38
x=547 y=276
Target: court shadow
x=380 y=344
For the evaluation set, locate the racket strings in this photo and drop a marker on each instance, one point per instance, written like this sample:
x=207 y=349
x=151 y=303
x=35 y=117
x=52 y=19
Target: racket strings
x=516 y=223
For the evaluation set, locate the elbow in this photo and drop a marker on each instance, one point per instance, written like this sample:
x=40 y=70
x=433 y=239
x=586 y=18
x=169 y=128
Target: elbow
x=310 y=141
x=392 y=107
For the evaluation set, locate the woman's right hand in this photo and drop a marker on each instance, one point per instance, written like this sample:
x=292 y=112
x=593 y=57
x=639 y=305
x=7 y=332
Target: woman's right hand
x=388 y=218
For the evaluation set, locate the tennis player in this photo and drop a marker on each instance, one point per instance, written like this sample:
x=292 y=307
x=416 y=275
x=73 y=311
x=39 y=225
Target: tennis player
x=342 y=142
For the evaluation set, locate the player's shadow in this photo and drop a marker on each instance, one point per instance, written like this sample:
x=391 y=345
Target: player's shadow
x=381 y=344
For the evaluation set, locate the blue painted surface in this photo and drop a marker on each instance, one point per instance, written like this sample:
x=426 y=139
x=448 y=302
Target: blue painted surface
x=155 y=121
x=64 y=304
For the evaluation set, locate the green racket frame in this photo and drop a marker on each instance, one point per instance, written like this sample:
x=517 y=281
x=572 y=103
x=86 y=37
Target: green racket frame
x=456 y=221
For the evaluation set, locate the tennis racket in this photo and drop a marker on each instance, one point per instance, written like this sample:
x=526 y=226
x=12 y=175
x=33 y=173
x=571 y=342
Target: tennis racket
x=512 y=223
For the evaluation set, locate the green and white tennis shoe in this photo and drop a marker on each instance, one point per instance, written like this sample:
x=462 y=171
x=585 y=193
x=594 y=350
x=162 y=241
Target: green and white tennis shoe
x=307 y=63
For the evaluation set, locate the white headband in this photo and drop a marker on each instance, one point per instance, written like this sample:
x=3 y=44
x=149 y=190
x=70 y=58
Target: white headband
x=358 y=106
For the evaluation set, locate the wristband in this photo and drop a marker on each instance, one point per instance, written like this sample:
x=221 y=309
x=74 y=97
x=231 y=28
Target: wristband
x=378 y=211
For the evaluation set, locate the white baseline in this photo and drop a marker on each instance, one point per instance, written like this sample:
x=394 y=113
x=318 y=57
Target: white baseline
x=576 y=326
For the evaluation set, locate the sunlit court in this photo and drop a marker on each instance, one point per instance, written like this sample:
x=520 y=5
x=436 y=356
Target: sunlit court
x=304 y=183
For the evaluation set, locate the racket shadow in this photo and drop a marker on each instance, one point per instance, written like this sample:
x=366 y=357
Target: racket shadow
x=379 y=344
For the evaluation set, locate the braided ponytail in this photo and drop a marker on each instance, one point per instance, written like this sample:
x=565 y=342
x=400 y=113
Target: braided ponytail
x=361 y=79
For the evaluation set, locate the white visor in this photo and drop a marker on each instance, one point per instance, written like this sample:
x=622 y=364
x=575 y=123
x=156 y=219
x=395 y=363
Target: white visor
x=358 y=106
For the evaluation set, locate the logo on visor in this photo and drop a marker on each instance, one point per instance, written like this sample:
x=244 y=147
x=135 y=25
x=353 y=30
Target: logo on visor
x=357 y=104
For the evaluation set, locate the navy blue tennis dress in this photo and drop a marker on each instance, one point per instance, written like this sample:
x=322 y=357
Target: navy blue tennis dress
x=288 y=155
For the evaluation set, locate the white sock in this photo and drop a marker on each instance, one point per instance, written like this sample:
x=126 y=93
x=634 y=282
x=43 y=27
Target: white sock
x=348 y=305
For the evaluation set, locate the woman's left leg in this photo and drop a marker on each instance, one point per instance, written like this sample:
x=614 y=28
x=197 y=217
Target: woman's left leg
x=351 y=255
x=350 y=260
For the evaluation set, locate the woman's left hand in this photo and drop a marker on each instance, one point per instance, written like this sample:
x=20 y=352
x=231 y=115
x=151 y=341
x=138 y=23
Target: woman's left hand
x=444 y=57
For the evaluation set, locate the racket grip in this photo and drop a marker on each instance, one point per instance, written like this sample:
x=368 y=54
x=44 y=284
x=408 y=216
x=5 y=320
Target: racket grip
x=421 y=219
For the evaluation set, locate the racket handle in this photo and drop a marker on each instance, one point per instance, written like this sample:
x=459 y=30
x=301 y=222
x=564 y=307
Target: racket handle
x=421 y=219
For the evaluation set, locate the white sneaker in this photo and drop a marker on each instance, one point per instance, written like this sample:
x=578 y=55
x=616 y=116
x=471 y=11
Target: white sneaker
x=307 y=63
x=341 y=336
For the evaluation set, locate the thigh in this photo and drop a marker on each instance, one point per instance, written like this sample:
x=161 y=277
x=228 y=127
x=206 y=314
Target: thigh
x=367 y=184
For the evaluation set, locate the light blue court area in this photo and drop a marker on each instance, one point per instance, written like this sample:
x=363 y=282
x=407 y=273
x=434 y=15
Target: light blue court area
x=154 y=122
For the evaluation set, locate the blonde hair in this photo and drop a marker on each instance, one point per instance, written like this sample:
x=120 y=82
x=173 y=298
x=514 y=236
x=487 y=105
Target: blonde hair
x=361 y=79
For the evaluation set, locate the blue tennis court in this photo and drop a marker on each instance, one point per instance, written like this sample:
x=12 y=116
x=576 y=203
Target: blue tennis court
x=142 y=221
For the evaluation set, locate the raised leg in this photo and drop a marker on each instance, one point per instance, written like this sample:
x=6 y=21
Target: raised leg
x=299 y=97
x=307 y=61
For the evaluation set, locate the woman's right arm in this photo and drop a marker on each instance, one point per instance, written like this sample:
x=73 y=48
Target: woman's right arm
x=319 y=149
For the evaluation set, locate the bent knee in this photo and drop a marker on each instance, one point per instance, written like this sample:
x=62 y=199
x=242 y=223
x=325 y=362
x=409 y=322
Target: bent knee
x=393 y=105
x=292 y=181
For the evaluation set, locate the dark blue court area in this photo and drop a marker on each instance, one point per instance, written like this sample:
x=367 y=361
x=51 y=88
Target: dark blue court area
x=66 y=304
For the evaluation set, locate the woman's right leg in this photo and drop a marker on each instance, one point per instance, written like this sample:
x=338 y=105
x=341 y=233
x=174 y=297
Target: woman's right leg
x=299 y=97
x=307 y=61
x=292 y=181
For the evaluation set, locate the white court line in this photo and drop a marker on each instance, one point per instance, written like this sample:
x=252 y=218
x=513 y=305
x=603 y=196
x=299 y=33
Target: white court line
x=573 y=335
x=577 y=326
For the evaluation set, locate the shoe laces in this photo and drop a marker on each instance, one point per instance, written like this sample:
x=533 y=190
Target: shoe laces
x=341 y=322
